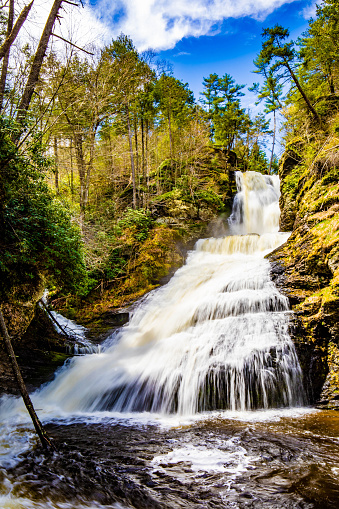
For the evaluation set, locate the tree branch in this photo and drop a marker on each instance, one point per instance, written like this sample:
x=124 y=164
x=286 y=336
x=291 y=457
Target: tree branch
x=12 y=36
x=6 y=56
x=71 y=43
x=71 y=3
x=37 y=62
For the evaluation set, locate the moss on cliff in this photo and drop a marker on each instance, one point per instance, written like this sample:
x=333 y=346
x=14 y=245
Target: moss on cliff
x=307 y=267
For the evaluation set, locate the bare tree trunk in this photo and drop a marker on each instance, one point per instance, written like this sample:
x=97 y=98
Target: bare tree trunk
x=82 y=173
x=146 y=162
x=56 y=159
x=144 y=199
x=90 y=163
x=45 y=441
x=110 y=154
x=132 y=160
x=37 y=62
x=14 y=32
x=72 y=172
x=6 y=56
x=273 y=143
x=171 y=143
x=247 y=147
x=137 y=173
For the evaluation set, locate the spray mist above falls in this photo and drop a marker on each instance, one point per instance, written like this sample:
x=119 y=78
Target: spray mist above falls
x=215 y=337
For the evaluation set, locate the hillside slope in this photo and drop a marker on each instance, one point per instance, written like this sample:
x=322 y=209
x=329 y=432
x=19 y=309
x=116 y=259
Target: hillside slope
x=306 y=268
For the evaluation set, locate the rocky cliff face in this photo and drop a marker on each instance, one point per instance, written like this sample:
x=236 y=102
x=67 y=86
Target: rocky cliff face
x=38 y=348
x=306 y=268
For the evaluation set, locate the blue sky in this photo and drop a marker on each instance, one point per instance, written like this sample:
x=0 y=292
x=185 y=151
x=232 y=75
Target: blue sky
x=233 y=49
x=199 y=37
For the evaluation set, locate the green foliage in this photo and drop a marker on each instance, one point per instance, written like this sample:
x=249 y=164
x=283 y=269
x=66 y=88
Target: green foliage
x=277 y=61
x=174 y=99
x=139 y=221
x=291 y=181
x=113 y=267
x=257 y=160
x=275 y=165
x=175 y=194
x=38 y=238
x=331 y=176
x=271 y=92
x=227 y=119
x=276 y=54
x=319 y=47
x=210 y=198
x=130 y=233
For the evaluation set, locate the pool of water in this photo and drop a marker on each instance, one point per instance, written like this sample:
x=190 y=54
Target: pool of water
x=283 y=458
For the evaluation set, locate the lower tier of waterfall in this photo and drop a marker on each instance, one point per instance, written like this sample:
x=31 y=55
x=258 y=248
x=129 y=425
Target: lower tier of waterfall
x=215 y=337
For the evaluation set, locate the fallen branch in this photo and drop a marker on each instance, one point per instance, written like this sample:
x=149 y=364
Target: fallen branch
x=45 y=441
x=53 y=318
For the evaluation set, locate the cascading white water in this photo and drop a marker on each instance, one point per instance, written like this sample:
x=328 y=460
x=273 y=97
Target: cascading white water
x=256 y=205
x=215 y=337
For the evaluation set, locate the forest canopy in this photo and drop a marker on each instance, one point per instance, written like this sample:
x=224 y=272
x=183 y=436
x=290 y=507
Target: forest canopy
x=89 y=137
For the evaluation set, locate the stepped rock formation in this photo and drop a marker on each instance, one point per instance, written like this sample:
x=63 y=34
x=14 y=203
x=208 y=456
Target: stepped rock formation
x=306 y=268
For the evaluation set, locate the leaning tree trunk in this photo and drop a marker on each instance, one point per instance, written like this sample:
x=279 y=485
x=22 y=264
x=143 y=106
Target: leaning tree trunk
x=15 y=30
x=304 y=96
x=37 y=62
x=45 y=441
x=273 y=143
x=6 y=56
x=132 y=160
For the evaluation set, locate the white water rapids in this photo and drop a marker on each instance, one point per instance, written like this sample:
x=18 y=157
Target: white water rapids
x=215 y=337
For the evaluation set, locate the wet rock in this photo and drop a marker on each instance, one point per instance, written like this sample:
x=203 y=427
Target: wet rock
x=40 y=351
x=306 y=269
x=115 y=318
x=330 y=391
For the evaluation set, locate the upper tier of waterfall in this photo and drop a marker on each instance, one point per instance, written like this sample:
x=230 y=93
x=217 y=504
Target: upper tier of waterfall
x=256 y=204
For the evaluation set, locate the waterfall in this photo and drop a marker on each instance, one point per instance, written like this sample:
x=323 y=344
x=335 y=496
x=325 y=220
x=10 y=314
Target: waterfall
x=215 y=337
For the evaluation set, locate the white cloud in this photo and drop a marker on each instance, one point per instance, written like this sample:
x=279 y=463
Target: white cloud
x=156 y=24
x=309 y=11
x=182 y=54
x=160 y=24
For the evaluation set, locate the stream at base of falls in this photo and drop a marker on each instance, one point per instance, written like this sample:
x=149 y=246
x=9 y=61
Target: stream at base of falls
x=269 y=459
x=198 y=402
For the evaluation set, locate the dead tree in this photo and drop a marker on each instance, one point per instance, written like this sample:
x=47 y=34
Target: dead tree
x=37 y=62
x=45 y=441
x=6 y=56
x=15 y=30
